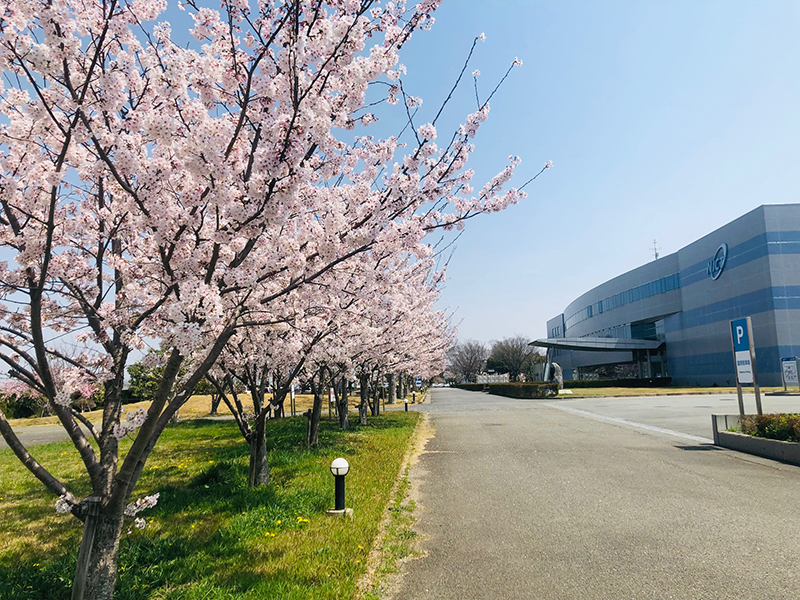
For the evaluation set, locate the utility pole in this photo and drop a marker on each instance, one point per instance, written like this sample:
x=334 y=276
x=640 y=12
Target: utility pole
x=655 y=250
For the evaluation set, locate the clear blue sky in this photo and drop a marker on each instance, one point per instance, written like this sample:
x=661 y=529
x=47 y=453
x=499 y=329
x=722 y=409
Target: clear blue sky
x=664 y=120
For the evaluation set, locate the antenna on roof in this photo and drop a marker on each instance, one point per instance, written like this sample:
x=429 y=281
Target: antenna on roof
x=655 y=250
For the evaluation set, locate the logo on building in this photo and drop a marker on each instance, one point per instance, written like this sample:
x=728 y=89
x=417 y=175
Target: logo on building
x=717 y=264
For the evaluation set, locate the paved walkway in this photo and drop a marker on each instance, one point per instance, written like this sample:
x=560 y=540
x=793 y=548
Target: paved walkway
x=39 y=434
x=522 y=500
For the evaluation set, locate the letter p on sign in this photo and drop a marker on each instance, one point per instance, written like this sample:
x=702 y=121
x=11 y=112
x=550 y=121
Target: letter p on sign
x=741 y=337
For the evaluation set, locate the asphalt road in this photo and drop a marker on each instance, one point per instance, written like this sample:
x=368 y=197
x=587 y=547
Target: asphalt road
x=40 y=434
x=522 y=500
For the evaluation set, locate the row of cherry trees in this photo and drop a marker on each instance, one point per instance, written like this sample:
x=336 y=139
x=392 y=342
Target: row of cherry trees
x=212 y=197
x=358 y=323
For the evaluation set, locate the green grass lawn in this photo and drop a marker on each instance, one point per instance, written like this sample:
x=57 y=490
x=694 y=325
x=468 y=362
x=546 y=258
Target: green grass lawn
x=211 y=537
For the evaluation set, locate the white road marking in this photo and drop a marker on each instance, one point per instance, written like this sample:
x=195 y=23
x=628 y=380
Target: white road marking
x=599 y=417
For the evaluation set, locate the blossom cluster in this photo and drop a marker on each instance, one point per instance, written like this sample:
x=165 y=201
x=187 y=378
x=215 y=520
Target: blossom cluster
x=133 y=420
x=134 y=508
x=63 y=505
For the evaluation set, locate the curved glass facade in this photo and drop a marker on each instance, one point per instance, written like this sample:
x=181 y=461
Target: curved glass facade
x=675 y=299
x=661 y=285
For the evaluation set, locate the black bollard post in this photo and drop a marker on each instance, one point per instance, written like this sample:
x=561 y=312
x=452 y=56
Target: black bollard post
x=339 y=492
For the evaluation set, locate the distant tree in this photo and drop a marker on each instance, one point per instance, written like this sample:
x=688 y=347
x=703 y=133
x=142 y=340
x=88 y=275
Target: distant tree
x=145 y=375
x=530 y=371
x=467 y=359
x=513 y=356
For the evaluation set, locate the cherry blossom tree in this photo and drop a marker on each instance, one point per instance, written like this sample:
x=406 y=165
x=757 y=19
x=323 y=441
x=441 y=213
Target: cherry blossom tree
x=153 y=189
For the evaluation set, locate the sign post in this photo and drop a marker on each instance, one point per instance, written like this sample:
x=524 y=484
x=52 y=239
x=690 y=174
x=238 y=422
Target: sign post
x=744 y=353
x=789 y=370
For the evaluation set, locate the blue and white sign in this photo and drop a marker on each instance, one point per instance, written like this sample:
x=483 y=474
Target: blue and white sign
x=741 y=350
x=717 y=264
x=419 y=382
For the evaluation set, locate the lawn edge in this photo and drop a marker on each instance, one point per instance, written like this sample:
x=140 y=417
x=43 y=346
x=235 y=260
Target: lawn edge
x=375 y=582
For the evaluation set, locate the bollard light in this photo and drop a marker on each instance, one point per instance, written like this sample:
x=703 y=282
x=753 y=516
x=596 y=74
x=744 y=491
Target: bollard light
x=339 y=467
x=406 y=401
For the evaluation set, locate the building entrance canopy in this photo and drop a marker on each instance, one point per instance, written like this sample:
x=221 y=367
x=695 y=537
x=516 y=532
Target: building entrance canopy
x=598 y=344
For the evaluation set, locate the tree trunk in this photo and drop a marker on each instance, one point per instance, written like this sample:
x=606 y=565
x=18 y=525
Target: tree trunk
x=312 y=438
x=343 y=409
x=280 y=400
x=96 y=571
x=215 y=400
x=376 y=399
x=259 y=464
x=392 y=380
x=362 y=407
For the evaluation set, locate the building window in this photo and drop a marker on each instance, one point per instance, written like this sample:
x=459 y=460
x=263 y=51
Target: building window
x=652 y=288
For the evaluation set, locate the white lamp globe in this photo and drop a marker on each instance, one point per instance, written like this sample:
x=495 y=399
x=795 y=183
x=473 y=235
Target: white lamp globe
x=340 y=466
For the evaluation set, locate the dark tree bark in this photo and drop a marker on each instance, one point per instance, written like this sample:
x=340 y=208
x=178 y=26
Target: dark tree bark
x=259 y=465
x=341 y=406
x=392 y=381
x=215 y=402
x=364 y=391
x=376 y=397
x=101 y=570
x=318 y=388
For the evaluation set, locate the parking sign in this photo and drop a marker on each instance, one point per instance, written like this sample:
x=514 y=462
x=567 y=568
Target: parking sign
x=740 y=332
x=744 y=355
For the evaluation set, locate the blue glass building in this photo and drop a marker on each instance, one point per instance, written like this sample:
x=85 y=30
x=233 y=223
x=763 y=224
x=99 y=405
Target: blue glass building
x=671 y=316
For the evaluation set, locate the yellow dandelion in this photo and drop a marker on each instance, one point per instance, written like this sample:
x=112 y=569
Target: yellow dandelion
x=192 y=526
x=278 y=522
x=272 y=534
x=361 y=547
x=35 y=564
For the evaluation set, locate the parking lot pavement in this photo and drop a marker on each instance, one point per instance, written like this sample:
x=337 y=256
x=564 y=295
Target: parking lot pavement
x=518 y=500
x=690 y=414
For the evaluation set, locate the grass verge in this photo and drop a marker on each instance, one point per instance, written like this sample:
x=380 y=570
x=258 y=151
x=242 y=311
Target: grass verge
x=398 y=541
x=210 y=536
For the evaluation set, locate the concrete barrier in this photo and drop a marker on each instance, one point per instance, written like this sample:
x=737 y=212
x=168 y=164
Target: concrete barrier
x=788 y=452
